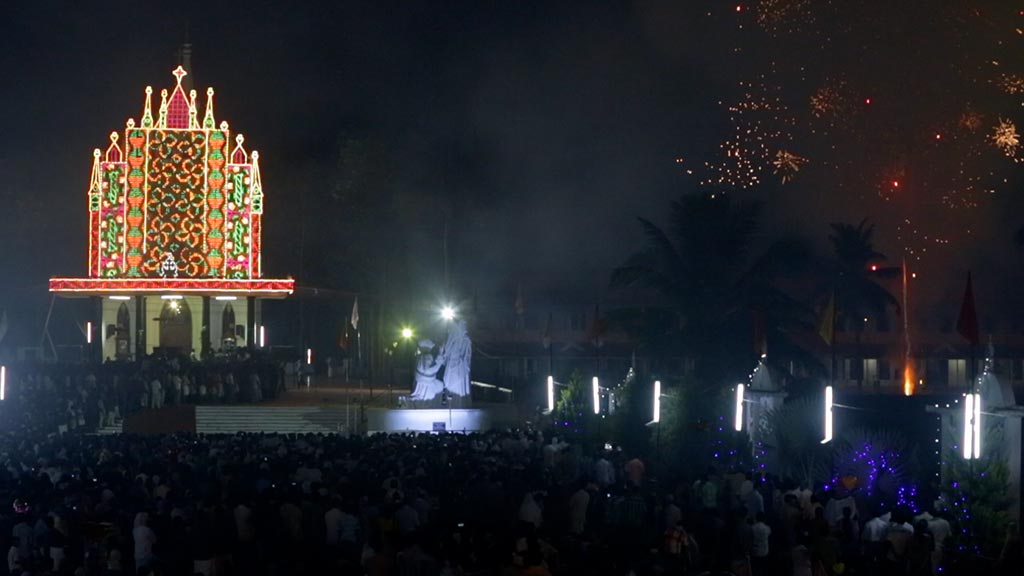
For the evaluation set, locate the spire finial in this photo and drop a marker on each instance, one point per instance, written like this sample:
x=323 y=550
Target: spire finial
x=179 y=73
x=147 y=112
x=208 y=121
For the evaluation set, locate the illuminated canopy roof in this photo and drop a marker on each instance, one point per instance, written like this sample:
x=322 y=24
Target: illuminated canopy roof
x=174 y=207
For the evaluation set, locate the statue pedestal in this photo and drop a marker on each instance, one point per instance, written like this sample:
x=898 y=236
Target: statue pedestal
x=428 y=420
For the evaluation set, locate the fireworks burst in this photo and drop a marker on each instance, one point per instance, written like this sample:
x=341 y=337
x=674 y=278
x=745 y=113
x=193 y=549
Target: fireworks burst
x=1006 y=138
x=784 y=16
x=970 y=120
x=787 y=164
x=760 y=125
x=827 y=101
x=1012 y=83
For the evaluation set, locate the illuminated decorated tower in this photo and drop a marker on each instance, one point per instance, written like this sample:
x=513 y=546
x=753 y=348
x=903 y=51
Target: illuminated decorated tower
x=175 y=217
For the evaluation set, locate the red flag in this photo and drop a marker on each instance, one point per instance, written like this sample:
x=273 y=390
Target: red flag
x=967 y=323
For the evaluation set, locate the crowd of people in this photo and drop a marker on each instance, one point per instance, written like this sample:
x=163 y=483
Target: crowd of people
x=501 y=502
x=62 y=397
x=513 y=502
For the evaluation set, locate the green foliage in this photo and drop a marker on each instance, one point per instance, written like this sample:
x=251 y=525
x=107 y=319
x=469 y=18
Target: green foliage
x=977 y=494
x=574 y=406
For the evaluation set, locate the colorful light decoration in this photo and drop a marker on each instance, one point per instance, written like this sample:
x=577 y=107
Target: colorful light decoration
x=828 y=415
x=657 y=402
x=595 y=388
x=171 y=194
x=972 y=427
x=738 y=424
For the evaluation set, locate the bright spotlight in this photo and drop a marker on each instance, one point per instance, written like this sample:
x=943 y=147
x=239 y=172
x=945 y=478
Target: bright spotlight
x=738 y=424
x=448 y=313
x=828 y=415
x=407 y=333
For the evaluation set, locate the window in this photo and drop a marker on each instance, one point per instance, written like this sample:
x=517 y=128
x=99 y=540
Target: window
x=578 y=321
x=957 y=372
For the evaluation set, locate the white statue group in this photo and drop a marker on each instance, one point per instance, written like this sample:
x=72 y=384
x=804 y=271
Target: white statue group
x=452 y=388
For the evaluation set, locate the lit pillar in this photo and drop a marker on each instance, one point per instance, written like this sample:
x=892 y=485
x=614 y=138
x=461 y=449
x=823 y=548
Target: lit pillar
x=140 y=327
x=250 y=313
x=206 y=347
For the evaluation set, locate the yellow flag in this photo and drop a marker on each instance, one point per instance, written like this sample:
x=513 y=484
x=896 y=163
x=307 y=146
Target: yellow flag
x=827 y=322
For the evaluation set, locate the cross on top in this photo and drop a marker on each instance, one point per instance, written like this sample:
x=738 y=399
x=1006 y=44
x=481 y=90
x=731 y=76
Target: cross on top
x=179 y=73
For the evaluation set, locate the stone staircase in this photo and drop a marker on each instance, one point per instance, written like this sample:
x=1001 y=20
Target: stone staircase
x=111 y=429
x=272 y=419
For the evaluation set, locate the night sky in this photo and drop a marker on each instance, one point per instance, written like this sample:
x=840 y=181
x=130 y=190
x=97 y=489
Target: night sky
x=543 y=128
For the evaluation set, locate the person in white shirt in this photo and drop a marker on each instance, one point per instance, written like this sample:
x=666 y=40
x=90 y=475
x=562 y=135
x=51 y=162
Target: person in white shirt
x=604 y=472
x=332 y=524
x=145 y=538
x=759 y=546
x=579 y=502
x=530 y=510
x=156 y=394
x=876 y=529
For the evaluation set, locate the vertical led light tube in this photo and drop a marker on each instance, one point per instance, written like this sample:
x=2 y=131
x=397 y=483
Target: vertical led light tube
x=969 y=426
x=657 y=401
x=263 y=336
x=309 y=355
x=828 y=415
x=551 y=394
x=977 y=426
x=88 y=332
x=3 y=382
x=740 y=388
x=596 y=389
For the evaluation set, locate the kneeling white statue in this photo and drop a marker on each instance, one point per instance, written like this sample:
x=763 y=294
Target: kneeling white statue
x=428 y=386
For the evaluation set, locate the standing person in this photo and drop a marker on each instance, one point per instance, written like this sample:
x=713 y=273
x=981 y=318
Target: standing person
x=919 y=550
x=759 y=549
x=604 y=472
x=144 y=538
x=456 y=357
x=156 y=394
x=578 y=504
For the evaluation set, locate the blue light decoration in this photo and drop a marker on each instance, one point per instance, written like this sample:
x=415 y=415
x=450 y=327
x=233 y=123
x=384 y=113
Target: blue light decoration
x=879 y=473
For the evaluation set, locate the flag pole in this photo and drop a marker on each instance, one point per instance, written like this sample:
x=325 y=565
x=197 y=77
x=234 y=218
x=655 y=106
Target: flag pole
x=832 y=342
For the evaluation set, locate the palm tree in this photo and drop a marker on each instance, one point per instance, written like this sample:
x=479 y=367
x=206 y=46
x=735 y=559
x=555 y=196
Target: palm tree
x=706 y=271
x=852 y=280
